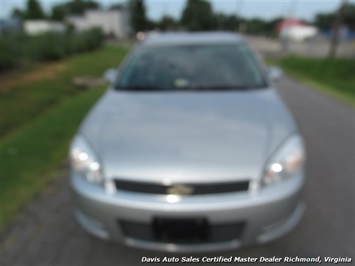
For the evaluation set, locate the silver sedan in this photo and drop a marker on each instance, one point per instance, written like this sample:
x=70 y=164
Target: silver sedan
x=190 y=149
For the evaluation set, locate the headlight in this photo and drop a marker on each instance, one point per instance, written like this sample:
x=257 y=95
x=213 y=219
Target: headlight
x=285 y=162
x=84 y=161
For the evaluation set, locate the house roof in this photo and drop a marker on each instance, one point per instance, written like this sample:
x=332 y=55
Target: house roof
x=289 y=22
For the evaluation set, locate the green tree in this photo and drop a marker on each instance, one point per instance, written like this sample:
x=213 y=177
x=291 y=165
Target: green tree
x=167 y=23
x=270 y=26
x=139 y=21
x=256 y=26
x=325 y=21
x=78 y=7
x=349 y=16
x=58 y=13
x=226 y=22
x=34 y=10
x=18 y=13
x=74 y=7
x=198 y=16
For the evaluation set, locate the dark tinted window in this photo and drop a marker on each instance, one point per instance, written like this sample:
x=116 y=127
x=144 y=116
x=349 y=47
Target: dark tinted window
x=192 y=67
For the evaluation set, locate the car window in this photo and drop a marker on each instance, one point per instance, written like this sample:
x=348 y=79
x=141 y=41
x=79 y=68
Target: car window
x=188 y=67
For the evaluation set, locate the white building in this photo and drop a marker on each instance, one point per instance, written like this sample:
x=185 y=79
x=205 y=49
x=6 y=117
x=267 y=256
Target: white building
x=296 y=30
x=298 y=33
x=34 y=27
x=112 y=22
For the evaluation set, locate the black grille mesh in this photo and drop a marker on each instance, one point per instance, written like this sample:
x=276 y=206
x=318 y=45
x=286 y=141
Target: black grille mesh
x=182 y=189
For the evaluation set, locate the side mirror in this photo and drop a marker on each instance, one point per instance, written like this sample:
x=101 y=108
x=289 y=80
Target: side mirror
x=275 y=73
x=110 y=75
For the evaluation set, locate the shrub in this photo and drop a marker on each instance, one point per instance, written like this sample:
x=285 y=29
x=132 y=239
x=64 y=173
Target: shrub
x=87 y=40
x=7 y=55
x=10 y=50
x=48 y=46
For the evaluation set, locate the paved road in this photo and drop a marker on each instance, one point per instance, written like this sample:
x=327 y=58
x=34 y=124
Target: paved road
x=316 y=47
x=46 y=233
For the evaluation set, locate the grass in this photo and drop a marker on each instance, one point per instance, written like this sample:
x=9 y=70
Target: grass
x=29 y=99
x=28 y=155
x=333 y=76
x=38 y=141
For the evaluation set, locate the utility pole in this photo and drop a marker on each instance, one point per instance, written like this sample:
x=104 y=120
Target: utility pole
x=165 y=9
x=239 y=14
x=293 y=9
x=290 y=13
x=336 y=27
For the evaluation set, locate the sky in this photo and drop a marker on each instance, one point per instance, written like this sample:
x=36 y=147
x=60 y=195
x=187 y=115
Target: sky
x=265 y=9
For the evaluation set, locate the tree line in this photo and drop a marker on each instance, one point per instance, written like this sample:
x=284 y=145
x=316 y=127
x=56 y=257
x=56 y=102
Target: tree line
x=197 y=15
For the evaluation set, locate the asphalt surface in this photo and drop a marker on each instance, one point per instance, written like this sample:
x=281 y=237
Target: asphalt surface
x=45 y=233
x=313 y=47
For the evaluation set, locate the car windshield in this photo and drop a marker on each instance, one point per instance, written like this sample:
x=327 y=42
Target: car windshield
x=191 y=67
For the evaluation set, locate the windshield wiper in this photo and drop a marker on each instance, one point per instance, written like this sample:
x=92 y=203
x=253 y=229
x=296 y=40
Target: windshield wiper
x=141 y=88
x=226 y=87
x=194 y=88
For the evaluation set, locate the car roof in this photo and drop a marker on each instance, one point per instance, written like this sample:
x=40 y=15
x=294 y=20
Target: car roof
x=187 y=38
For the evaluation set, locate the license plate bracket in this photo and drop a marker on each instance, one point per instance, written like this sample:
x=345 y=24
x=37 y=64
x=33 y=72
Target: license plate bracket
x=180 y=230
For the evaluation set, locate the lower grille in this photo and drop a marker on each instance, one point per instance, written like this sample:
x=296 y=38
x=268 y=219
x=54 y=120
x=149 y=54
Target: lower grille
x=182 y=189
x=171 y=231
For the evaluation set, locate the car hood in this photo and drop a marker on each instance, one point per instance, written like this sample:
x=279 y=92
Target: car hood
x=187 y=136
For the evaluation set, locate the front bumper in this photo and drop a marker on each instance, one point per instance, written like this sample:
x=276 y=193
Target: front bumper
x=266 y=214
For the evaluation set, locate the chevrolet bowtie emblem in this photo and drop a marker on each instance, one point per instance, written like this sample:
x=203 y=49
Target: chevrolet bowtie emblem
x=180 y=190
